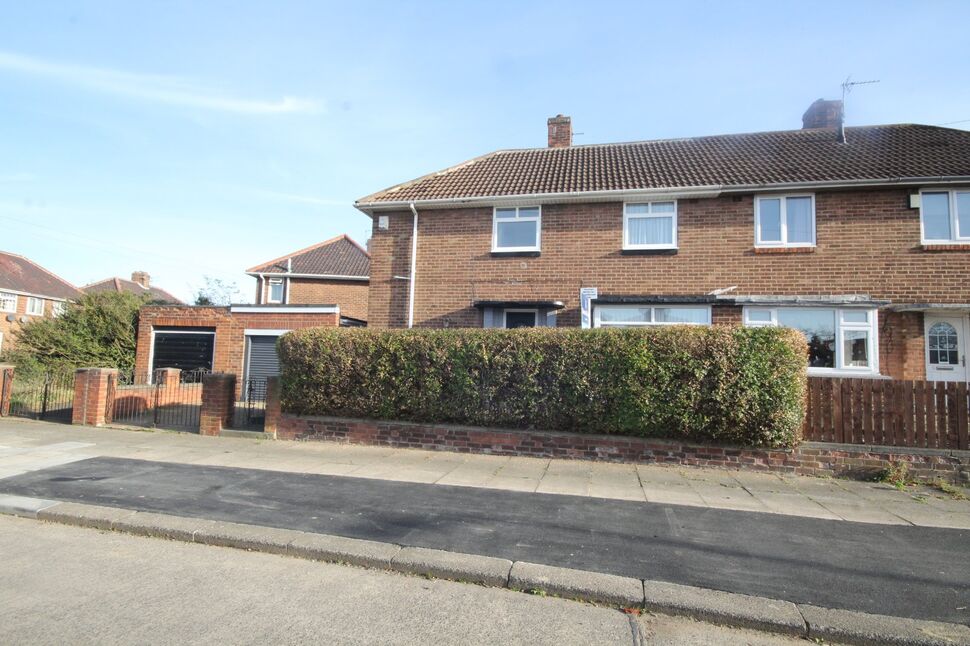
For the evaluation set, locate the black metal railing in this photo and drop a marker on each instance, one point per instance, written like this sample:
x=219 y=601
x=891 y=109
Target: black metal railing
x=161 y=400
x=250 y=410
x=45 y=395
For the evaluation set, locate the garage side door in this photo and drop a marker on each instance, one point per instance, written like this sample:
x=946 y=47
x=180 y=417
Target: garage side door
x=262 y=361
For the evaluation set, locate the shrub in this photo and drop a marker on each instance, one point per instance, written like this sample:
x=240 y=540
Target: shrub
x=715 y=384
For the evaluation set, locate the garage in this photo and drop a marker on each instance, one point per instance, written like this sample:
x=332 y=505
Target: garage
x=261 y=358
x=188 y=349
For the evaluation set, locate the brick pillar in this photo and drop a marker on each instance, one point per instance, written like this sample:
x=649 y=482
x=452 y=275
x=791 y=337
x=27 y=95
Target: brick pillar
x=6 y=388
x=218 y=402
x=168 y=376
x=93 y=395
x=272 y=405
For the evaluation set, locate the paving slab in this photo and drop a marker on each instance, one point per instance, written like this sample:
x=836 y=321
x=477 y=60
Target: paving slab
x=723 y=607
x=470 y=568
x=874 y=630
x=569 y=583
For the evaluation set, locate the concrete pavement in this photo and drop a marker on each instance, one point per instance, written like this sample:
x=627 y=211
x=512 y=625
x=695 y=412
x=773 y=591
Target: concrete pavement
x=27 y=445
x=64 y=584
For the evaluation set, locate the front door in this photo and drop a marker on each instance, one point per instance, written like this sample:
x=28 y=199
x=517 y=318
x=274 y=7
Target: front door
x=946 y=348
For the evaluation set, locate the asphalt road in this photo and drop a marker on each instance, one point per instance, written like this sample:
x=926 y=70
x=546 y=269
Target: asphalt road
x=887 y=569
x=67 y=585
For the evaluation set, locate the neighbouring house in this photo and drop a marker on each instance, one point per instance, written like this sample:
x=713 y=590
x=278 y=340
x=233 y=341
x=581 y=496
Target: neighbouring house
x=334 y=271
x=857 y=236
x=28 y=291
x=321 y=286
x=140 y=285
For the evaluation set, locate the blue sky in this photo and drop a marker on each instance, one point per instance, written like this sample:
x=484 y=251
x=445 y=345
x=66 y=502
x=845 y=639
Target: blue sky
x=190 y=139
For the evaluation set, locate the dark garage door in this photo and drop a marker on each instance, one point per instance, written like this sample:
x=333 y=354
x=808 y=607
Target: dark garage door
x=262 y=361
x=186 y=350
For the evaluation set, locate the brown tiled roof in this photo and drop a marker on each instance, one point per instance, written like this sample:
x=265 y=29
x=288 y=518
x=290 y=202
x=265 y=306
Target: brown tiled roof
x=339 y=256
x=755 y=159
x=130 y=286
x=22 y=275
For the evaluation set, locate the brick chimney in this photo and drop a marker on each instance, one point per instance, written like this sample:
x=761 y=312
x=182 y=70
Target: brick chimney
x=823 y=114
x=142 y=278
x=560 y=131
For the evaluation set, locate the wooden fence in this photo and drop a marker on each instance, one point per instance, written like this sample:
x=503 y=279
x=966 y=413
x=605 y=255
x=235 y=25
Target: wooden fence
x=920 y=414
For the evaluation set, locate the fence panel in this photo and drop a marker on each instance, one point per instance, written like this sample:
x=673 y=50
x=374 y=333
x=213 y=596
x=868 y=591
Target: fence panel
x=920 y=414
x=48 y=395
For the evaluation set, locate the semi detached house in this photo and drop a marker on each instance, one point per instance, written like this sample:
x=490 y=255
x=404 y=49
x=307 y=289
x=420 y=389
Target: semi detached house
x=857 y=236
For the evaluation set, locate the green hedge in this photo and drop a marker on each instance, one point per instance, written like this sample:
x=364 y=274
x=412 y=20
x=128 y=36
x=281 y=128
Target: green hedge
x=710 y=384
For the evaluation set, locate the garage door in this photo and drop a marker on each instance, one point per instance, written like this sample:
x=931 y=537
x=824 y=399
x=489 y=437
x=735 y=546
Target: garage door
x=262 y=361
x=182 y=349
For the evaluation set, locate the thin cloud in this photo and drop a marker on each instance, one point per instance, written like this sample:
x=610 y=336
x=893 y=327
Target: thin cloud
x=150 y=87
x=16 y=178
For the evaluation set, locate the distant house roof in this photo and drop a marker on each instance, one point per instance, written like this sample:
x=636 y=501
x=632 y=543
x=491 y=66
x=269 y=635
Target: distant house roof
x=123 y=285
x=21 y=274
x=754 y=160
x=340 y=256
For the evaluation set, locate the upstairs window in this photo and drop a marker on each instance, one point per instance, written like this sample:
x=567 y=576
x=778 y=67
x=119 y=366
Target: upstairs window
x=516 y=229
x=8 y=302
x=839 y=340
x=35 y=306
x=652 y=225
x=945 y=216
x=275 y=290
x=784 y=221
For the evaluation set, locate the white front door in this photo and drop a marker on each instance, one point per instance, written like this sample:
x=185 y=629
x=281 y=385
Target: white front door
x=946 y=348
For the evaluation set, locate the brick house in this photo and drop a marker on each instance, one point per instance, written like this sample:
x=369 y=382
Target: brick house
x=858 y=236
x=28 y=291
x=139 y=285
x=333 y=271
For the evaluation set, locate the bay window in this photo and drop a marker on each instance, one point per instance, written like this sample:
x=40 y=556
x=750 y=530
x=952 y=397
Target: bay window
x=840 y=340
x=642 y=315
x=650 y=225
x=784 y=221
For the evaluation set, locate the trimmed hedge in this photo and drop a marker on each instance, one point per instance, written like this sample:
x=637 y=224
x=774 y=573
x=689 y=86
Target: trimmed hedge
x=743 y=386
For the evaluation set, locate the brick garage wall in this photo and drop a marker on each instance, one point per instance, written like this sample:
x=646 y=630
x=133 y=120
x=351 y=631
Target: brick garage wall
x=868 y=243
x=811 y=458
x=230 y=343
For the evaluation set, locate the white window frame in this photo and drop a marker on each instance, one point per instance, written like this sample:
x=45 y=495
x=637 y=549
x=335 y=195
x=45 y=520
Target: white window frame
x=529 y=218
x=58 y=308
x=783 y=243
x=535 y=313
x=956 y=236
x=841 y=326
x=597 y=322
x=651 y=215
x=269 y=290
x=8 y=297
x=31 y=302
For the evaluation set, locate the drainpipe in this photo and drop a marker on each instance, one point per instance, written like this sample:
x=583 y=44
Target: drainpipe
x=414 y=265
x=262 y=288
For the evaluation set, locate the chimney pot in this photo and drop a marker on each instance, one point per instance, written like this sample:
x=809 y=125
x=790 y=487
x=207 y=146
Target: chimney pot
x=142 y=278
x=560 y=131
x=823 y=114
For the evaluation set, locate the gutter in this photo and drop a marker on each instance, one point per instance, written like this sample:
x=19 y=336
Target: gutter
x=295 y=275
x=672 y=192
x=414 y=265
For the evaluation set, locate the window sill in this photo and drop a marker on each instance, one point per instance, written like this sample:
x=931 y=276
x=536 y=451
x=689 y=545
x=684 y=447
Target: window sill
x=771 y=250
x=515 y=254
x=946 y=246
x=649 y=252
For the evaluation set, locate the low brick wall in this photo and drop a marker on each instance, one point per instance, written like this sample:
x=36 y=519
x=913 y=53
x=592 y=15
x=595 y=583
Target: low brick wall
x=811 y=458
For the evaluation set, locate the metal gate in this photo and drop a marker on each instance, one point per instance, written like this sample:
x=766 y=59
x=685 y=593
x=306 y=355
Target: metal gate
x=250 y=410
x=45 y=395
x=162 y=401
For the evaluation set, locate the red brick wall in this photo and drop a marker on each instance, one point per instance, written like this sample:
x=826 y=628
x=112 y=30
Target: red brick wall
x=230 y=345
x=9 y=328
x=350 y=295
x=868 y=243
